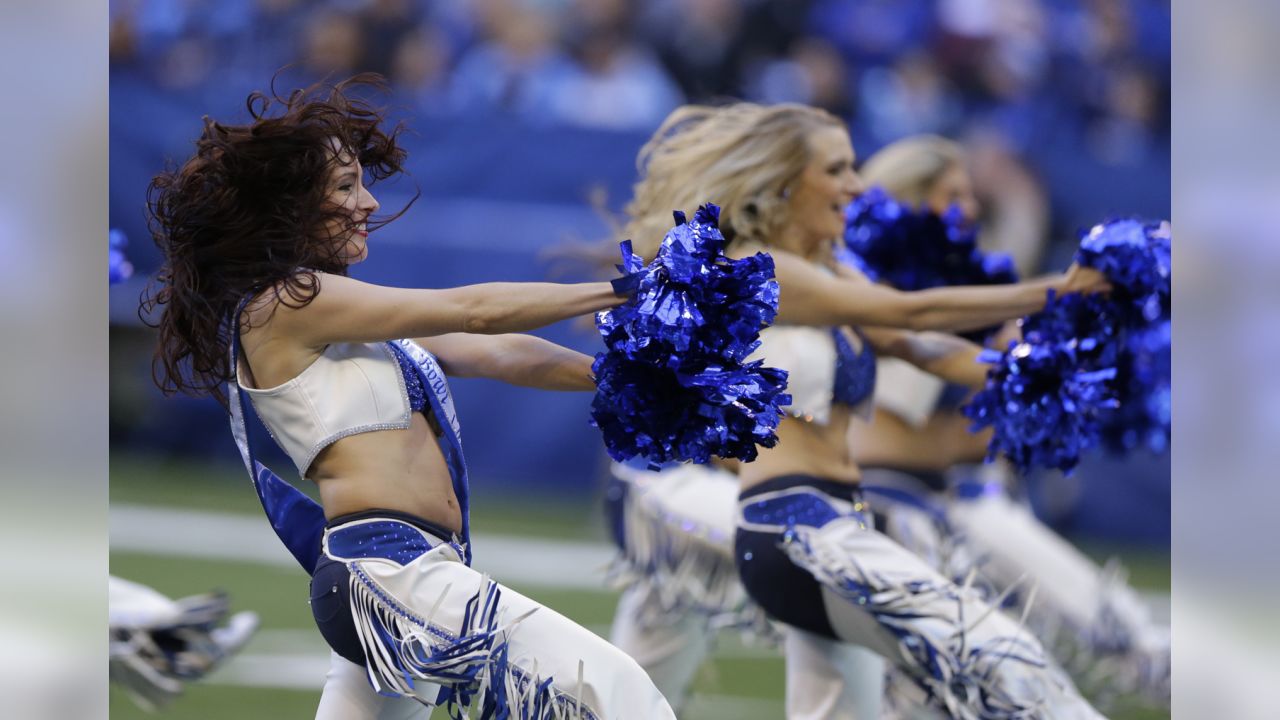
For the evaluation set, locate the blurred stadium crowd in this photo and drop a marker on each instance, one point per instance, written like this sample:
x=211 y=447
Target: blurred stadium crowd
x=1025 y=70
x=526 y=115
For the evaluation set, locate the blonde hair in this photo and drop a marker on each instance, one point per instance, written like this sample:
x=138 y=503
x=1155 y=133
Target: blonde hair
x=908 y=168
x=741 y=157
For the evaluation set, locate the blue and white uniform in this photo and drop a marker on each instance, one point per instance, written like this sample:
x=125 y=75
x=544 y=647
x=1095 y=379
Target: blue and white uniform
x=808 y=552
x=395 y=594
x=1095 y=624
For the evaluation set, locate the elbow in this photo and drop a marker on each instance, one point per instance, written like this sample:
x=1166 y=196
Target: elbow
x=921 y=319
x=917 y=313
x=477 y=324
x=480 y=319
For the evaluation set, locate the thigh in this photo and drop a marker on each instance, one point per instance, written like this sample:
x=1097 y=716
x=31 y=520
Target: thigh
x=831 y=680
x=1014 y=544
x=530 y=653
x=670 y=648
x=972 y=656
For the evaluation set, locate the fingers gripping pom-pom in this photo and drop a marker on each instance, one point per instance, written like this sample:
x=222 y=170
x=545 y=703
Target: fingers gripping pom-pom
x=919 y=249
x=1091 y=370
x=1136 y=257
x=673 y=384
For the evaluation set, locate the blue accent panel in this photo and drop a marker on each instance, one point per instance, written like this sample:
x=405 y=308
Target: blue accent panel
x=799 y=508
x=387 y=539
x=855 y=371
x=297 y=519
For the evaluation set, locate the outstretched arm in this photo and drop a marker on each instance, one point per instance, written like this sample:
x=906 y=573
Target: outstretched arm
x=347 y=310
x=810 y=296
x=948 y=357
x=522 y=360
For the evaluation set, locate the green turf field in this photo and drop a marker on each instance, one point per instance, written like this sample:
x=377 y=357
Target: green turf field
x=743 y=683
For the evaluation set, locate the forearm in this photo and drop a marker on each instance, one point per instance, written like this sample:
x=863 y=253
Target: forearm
x=957 y=309
x=495 y=308
x=515 y=359
x=945 y=356
x=530 y=361
x=958 y=444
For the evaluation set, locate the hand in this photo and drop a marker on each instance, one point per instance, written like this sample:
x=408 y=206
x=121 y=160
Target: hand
x=1084 y=280
x=626 y=286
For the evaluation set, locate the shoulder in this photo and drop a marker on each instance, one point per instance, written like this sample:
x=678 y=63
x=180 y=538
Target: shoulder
x=274 y=309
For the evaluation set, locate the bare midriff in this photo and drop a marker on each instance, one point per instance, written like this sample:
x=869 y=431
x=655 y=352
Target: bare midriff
x=400 y=470
x=805 y=448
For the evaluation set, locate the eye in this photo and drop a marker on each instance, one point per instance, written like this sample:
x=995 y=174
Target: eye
x=346 y=187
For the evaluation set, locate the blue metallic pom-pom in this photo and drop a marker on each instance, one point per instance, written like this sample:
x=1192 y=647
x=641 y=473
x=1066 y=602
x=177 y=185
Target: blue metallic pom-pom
x=1135 y=256
x=118 y=265
x=674 y=384
x=1091 y=370
x=1043 y=407
x=1144 y=390
x=914 y=249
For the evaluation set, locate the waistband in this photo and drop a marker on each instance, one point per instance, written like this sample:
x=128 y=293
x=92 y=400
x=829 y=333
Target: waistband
x=973 y=489
x=918 y=481
x=439 y=531
x=785 y=502
x=836 y=489
x=384 y=534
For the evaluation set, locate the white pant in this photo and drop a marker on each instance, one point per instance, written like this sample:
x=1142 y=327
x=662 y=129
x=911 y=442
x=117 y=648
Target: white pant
x=664 y=619
x=885 y=598
x=347 y=695
x=1093 y=622
x=435 y=605
x=1087 y=614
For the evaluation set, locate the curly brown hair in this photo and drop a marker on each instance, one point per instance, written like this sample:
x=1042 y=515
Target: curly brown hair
x=248 y=212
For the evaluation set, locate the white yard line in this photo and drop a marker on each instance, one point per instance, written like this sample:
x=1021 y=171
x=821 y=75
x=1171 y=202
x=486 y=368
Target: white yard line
x=228 y=536
x=299 y=659
x=306 y=672
x=516 y=560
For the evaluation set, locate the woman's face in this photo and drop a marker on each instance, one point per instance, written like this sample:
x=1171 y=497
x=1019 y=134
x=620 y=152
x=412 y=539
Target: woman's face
x=817 y=199
x=347 y=193
x=953 y=187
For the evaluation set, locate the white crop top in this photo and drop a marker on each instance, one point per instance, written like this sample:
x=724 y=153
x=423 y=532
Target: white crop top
x=808 y=354
x=907 y=391
x=351 y=388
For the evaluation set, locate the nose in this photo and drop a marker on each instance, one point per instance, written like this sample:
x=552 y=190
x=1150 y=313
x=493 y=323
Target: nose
x=853 y=185
x=368 y=203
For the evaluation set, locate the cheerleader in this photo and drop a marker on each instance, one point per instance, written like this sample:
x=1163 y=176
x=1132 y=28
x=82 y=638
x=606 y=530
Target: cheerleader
x=805 y=546
x=1094 y=623
x=258 y=230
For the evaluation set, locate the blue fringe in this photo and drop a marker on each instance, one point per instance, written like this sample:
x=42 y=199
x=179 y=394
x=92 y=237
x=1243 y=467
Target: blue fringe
x=958 y=677
x=472 y=668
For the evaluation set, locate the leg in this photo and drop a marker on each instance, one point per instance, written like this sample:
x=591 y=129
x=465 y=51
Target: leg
x=831 y=680
x=493 y=646
x=979 y=662
x=675 y=529
x=347 y=695
x=670 y=649
x=1095 y=622
x=827 y=571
